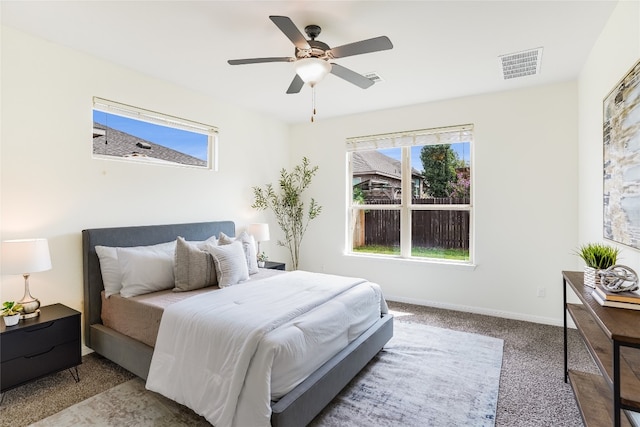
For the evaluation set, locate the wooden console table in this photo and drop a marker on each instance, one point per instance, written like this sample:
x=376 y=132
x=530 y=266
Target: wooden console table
x=612 y=336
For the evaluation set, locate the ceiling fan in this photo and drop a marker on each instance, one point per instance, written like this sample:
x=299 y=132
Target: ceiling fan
x=313 y=58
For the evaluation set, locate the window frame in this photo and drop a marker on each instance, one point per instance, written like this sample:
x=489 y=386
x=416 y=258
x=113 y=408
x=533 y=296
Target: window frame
x=156 y=118
x=404 y=141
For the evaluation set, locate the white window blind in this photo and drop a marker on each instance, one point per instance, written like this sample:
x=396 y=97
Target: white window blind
x=436 y=136
x=136 y=113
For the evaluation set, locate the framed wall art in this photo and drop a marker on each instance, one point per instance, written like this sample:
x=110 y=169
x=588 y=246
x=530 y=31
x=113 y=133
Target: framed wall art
x=621 y=157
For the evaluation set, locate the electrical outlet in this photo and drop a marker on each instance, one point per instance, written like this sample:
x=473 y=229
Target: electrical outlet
x=542 y=292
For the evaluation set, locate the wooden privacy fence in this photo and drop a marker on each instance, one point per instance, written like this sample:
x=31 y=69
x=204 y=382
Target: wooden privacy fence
x=447 y=229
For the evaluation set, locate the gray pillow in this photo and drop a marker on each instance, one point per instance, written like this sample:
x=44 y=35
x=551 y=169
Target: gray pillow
x=193 y=267
x=230 y=262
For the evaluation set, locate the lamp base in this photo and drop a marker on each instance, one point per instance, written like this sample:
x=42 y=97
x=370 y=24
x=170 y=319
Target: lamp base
x=30 y=315
x=30 y=305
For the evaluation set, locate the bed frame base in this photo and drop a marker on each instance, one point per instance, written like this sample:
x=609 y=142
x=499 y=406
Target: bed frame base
x=303 y=403
x=131 y=354
x=296 y=408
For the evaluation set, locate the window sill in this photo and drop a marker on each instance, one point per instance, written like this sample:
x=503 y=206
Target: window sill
x=439 y=263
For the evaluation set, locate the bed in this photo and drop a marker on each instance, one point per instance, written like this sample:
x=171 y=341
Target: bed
x=298 y=407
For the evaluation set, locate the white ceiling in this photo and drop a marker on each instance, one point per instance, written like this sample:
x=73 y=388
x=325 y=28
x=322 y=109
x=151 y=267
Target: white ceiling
x=442 y=49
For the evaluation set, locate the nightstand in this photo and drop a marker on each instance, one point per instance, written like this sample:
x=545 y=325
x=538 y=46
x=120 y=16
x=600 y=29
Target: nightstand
x=275 y=265
x=40 y=346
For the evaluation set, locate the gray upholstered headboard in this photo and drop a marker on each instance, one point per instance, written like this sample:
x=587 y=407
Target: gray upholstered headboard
x=126 y=237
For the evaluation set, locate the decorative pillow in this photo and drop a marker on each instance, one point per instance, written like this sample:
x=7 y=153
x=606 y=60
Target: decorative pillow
x=110 y=267
x=204 y=243
x=249 y=247
x=110 y=270
x=230 y=262
x=193 y=268
x=145 y=271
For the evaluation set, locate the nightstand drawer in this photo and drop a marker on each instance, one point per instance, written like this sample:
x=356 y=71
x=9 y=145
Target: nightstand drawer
x=272 y=265
x=23 y=369
x=38 y=338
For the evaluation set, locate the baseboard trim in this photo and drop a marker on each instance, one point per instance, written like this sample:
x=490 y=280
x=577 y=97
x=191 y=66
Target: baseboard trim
x=479 y=310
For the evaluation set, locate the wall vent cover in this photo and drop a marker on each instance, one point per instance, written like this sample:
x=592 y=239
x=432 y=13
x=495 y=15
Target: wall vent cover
x=520 y=64
x=373 y=76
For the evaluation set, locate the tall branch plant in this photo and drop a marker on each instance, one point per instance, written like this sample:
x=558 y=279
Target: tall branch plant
x=289 y=207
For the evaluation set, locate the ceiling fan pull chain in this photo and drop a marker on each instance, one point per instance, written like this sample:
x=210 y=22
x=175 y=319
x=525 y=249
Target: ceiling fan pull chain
x=313 y=103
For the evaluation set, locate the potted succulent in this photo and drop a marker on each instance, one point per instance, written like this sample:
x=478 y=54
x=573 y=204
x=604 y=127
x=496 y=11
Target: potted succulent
x=262 y=258
x=597 y=256
x=11 y=312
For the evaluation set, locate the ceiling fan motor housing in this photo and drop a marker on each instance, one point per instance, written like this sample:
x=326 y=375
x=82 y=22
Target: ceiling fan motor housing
x=318 y=50
x=312 y=31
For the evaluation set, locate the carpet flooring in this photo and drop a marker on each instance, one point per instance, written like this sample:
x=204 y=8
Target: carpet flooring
x=531 y=393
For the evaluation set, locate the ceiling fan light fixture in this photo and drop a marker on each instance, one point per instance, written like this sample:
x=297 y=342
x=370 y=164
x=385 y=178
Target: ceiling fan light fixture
x=312 y=70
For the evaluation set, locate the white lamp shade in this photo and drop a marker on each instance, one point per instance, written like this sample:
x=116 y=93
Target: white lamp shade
x=25 y=256
x=259 y=231
x=312 y=70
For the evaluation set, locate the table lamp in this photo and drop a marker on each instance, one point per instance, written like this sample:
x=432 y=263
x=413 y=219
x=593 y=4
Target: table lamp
x=260 y=232
x=24 y=257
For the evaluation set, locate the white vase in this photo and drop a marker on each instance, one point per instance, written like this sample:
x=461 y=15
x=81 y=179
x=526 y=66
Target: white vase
x=261 y=264
x=591 y=277
x=11 y=320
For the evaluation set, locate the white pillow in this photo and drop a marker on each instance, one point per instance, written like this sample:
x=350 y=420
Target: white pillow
x=110 y=267
x=231 y=264
x=145 y=271
x=110 y=270
x=202 y=244
x=249 y=247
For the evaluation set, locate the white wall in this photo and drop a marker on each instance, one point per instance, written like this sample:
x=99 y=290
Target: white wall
x=525 y=196
x=537 y=174
x=51 y=187
x=616 y=51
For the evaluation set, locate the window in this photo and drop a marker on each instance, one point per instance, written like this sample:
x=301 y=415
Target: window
x=411 y=194
x=129 y=133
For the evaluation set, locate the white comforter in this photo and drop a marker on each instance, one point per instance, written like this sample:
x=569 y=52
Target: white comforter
x=226 y=354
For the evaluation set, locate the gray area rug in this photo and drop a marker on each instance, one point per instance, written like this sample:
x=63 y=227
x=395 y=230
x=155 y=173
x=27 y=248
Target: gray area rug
x=127 y=404
x=424 y=376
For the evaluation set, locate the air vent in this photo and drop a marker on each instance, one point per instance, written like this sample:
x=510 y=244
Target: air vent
x=520 y=64
x=375 y=77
